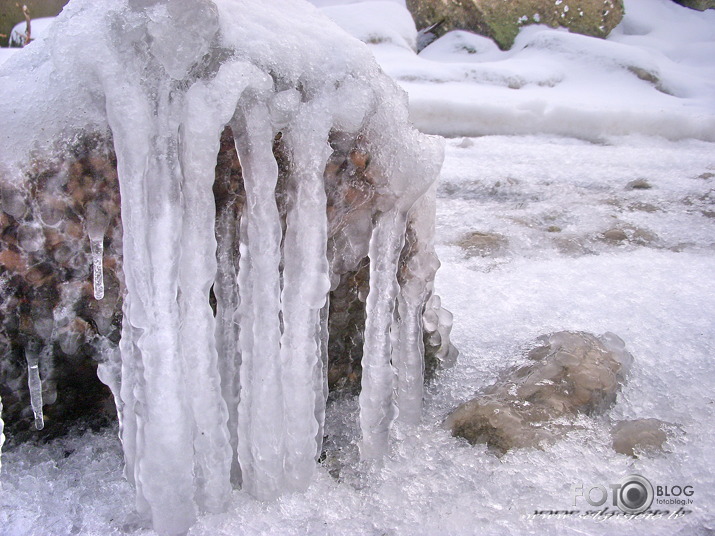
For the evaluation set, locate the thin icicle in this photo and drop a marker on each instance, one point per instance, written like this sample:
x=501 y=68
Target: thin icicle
x=2 y=435
x=227 y=326
x=408 y=356
x=97 y=247
x=320 y=379
x=34 y=383
x=377 y=407
x=96 y=224
x=261 y=413
x=305 y=288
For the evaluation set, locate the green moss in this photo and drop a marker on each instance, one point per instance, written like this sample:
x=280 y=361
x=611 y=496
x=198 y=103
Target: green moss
x=501 y=20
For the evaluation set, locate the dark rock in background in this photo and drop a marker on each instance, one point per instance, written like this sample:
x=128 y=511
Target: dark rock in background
x=502 y=20
x=700 y=5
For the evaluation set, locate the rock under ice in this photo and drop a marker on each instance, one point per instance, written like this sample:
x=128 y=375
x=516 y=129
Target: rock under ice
x=206 y=397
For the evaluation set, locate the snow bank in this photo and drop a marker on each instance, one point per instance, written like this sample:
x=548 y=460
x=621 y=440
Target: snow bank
x=376 y=22
x=654 y=75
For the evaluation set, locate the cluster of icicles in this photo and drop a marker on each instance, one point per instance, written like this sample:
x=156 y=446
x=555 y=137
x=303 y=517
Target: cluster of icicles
x=203 y=400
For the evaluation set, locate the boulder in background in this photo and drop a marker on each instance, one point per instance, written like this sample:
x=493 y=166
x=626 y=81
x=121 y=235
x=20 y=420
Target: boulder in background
x=502 y=20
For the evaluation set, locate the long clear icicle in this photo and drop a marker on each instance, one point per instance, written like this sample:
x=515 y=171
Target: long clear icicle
x=34 y=383
x=408 y=356
x=97 y=247
x=227 y=326
x=377 y=406
x=305 y=288
x=209 y=107
x=146 y=142
x=261 y=419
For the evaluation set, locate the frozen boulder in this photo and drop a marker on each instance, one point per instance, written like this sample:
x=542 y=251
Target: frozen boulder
x=641 y=436
x=569 y=373
x=219 y=171
x=502 y=20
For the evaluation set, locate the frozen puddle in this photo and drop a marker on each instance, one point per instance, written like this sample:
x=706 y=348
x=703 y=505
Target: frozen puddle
x=505 y=208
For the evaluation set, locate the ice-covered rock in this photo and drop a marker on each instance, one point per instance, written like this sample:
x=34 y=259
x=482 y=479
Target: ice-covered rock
x=641 y=436
x=501 y=20
x=569 y=373
x=263 y=160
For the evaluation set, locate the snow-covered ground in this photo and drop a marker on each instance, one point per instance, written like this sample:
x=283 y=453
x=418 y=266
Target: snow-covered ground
x=545 y=202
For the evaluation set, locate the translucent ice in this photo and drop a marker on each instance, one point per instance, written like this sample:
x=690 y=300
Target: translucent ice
x=34 y=383
x=97 y=268
x=2 y=436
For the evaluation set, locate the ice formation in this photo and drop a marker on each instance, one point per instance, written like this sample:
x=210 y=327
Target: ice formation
x=34 y=382
x=208 y=397
x=2 y=436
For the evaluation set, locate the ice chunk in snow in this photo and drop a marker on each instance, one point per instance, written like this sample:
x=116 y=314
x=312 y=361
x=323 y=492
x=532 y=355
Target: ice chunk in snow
x=202 y=399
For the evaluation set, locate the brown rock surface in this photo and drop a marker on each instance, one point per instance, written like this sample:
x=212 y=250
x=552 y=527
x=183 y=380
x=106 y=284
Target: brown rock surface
x=641 y=436
x=569 y=373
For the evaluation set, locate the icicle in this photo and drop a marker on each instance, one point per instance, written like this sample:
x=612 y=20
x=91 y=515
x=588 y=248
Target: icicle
x=227 y=327
x=2 y=435
x=34 y=382
x=146 y=147
x=421 y=265
x=98 y=267
x=131 y=409
x=305 y=288
x=261 y=419
x=209 y=106
x=377 y=407
x=320 y=381
x=96 y=224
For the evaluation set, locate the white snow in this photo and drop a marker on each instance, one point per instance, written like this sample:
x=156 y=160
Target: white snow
x=6 y=54
x=376 y=22
x=551 y=198
x=654 y=75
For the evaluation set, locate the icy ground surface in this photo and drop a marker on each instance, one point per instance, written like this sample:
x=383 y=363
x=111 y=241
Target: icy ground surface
x=654 y=289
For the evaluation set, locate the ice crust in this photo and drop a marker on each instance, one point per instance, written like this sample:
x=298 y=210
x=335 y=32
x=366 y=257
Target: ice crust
x=165 y=78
